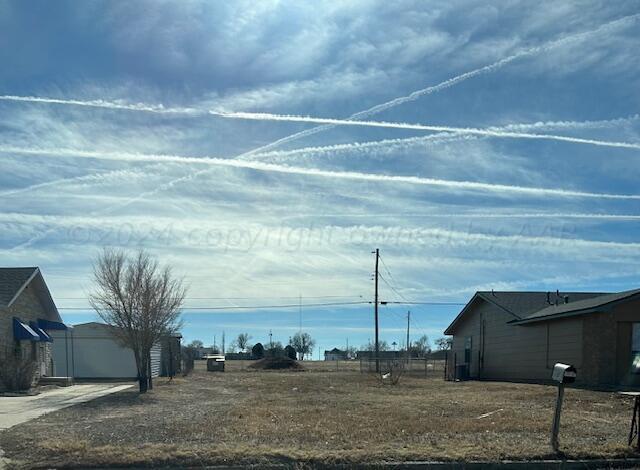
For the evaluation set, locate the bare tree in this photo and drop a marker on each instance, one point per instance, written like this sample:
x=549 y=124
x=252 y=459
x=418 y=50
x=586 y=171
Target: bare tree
x=242 y=341
x=422 y=347
x=302 y=343
x=140 y=300
x=443 y=343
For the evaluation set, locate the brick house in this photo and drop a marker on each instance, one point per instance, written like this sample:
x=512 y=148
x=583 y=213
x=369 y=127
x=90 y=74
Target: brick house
x=27 y=314
x=519 y=336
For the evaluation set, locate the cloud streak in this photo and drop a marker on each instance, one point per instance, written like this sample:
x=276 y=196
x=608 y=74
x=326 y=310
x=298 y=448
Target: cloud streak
x=316 y=172
x=455 y=80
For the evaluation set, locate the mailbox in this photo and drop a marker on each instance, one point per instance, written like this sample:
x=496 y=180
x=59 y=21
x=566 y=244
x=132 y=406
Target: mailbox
x=564 y=373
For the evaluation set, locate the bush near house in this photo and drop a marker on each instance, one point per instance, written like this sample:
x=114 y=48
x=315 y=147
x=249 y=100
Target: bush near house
x=16 y=371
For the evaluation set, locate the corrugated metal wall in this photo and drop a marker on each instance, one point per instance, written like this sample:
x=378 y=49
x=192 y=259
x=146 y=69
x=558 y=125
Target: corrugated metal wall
x=156 y=358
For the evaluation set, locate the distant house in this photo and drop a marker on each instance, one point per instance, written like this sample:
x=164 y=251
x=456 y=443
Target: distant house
x=91 y=351
x=28 y=315
x=335 y=355
x=521 y=335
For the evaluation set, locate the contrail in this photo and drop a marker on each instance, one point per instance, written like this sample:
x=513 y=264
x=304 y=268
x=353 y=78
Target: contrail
x=149 y=108
x=474 y=215
x=451 y=81
x=402 y=125
x=570 y=125
x=316 y=172
x=73 y=179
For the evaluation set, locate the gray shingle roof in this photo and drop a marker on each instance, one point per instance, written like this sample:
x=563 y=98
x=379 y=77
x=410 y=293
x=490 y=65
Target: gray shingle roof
x=578 y=307
x=11 y=282
x=522 y=304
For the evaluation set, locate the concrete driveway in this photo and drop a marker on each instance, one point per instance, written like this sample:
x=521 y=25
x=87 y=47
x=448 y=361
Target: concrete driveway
x=16 y=410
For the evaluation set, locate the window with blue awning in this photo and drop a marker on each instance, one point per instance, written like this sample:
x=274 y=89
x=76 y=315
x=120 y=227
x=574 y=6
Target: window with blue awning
x=22 y=331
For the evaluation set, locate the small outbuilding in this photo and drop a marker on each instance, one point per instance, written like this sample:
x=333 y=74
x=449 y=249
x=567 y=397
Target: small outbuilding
x=92 y=351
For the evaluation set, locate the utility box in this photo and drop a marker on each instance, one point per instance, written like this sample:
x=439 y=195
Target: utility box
x=563 y=373
x=462 y=372
x=215 y=363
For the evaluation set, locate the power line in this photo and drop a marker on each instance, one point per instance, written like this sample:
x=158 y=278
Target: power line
x=247 y=307
x=248 y=298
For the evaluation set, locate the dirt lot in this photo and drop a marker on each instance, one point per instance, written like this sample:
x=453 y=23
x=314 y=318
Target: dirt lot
x=315 y=416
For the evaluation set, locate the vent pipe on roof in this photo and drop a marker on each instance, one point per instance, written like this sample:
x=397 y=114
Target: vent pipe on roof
x=566 y=299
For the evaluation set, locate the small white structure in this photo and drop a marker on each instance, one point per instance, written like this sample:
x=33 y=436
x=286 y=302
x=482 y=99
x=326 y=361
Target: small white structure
x=90 y=351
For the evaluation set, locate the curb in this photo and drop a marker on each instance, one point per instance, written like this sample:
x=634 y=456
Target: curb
x=502 y=465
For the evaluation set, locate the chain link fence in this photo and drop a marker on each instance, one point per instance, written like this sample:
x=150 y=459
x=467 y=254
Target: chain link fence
x=413 y=366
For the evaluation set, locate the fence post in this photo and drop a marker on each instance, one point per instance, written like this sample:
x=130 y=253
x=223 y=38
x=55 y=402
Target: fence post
x=446 y=363
x=455 y=365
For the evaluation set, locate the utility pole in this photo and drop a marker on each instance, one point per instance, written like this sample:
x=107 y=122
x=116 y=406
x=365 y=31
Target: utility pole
x=408 y=323
x=223 y=350
x=375 y=311
x=270 y=340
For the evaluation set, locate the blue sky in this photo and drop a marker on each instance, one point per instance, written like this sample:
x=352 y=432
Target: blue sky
x=121 y=125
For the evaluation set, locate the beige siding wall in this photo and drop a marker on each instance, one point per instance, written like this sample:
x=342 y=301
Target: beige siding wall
x=503 y=351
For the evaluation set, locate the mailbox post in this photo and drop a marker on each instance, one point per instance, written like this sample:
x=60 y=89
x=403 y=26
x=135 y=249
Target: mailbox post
x=562 y=374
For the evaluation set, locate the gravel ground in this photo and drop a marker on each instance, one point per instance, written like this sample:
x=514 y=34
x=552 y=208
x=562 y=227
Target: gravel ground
x=318 y=416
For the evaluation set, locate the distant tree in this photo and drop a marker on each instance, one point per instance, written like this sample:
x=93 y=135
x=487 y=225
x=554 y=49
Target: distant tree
x=302 y=343
x=290 y=352
x=443 y=343
x=196 y=343
x=276 y=350
x=242 y=341
x=371 y=346
x=421 y=347
x=351 y=352
x=258 y=351
x=140 y=300
x=232 y=348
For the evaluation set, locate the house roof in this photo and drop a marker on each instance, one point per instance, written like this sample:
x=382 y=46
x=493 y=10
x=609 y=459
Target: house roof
x=13 y=281
x=520 y=304
x=579 y=307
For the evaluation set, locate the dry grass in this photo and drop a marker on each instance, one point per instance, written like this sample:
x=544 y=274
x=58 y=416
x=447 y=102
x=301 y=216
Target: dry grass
x=318 y=416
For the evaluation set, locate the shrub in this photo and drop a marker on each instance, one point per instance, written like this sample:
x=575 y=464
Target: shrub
x=258 y=351
x=16 y=371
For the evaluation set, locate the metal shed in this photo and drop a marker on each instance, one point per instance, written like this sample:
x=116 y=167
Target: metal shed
x=90 y=351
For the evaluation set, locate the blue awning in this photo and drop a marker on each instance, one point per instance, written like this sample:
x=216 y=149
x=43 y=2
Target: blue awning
x=22 y=331
x=51 y=325
x=40 y=332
